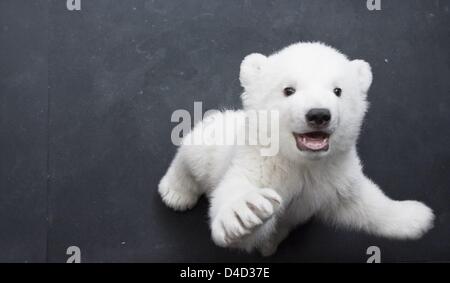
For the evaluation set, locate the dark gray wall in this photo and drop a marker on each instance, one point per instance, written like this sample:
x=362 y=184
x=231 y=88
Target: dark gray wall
x=86 y=99
x=23 y=130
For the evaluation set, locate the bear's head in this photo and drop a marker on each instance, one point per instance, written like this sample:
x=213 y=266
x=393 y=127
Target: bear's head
x=320 y=95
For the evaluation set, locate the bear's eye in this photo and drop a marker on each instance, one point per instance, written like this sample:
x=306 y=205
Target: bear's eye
x=337 y=91
x=289 y=91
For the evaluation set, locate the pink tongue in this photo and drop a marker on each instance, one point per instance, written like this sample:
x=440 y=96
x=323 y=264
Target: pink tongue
x=315 y=143
x=312 y=143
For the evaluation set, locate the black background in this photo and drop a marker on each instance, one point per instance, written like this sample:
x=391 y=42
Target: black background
x=86 y=99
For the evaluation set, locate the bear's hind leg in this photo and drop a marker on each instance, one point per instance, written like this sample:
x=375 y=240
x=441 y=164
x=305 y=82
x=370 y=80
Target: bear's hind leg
x=177 y=188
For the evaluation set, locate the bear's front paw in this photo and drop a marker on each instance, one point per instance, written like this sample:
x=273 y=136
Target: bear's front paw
x=242 y=217
x=412 y=220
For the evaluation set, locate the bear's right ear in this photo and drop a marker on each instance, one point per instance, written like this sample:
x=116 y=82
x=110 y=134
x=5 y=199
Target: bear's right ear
x=250 y=68
x=363 y=73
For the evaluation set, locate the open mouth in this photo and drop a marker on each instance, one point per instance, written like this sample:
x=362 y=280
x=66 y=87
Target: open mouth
x=314 y=141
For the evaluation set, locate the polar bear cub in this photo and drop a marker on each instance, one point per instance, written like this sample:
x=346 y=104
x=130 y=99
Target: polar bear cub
x=321 y=99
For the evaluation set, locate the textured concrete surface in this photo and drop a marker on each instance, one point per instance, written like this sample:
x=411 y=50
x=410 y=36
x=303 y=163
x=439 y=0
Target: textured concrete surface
x=86 y=99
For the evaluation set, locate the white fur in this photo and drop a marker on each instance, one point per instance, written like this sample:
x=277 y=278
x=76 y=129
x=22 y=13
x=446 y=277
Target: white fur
x=257 y=200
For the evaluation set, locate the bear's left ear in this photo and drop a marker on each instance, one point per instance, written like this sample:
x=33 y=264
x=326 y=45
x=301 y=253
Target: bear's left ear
x=250 y=68
x=364 y=74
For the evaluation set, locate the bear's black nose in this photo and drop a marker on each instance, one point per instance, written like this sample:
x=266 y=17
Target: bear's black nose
x=318 y=117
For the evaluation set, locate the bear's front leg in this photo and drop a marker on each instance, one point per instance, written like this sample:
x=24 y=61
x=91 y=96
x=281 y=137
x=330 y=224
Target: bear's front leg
x=244 y=215
x=238 y=208
x=369 y=209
